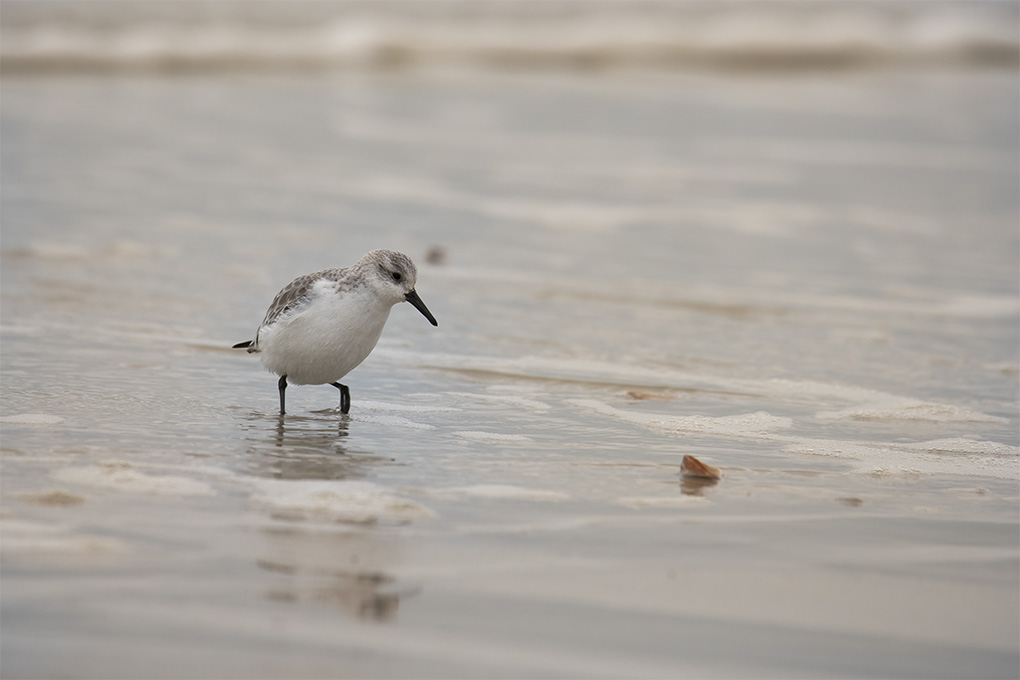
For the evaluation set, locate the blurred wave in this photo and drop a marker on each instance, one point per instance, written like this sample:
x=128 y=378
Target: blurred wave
x=67 y=36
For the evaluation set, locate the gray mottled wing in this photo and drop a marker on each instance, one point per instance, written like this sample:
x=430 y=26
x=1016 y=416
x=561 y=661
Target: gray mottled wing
x=293 y=296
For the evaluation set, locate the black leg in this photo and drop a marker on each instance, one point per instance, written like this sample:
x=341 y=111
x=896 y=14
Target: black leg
x=345 y=397
x=283 y=388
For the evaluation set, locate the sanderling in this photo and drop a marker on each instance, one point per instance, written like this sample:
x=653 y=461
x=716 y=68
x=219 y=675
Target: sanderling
x=322 y=325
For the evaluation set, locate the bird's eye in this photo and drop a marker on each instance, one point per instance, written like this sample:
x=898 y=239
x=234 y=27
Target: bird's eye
x=396 y=276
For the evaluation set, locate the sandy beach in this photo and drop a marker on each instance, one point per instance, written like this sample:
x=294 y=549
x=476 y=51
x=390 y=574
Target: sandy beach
x=803 y=273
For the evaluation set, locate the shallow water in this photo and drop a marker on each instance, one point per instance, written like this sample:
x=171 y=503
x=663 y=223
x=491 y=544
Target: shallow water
x=808 y=281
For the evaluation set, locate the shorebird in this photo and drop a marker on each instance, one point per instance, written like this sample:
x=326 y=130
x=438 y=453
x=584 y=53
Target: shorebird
x=322 y=325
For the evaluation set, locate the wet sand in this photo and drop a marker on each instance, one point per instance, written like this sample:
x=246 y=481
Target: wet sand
x=808 y=282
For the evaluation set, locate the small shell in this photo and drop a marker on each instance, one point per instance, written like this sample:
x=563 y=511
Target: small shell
x=692 y=467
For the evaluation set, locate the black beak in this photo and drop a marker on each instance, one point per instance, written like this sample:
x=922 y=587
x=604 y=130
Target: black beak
x=413 y=298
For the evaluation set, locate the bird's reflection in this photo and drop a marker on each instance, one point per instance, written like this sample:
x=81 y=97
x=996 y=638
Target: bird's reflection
x=307 y=447
x=325 y=433
x=342 y=565
x=364 y=594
